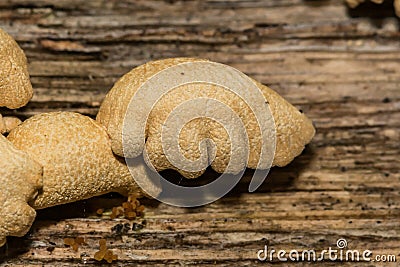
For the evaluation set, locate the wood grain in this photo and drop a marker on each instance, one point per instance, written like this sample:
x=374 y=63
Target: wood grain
x=340 y=66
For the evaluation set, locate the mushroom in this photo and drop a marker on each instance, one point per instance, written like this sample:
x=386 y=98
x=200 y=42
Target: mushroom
x=293 y=129
x=75 y=152
x=15 y=86
x=20 y=175
x=20 y=179
x=8 y=123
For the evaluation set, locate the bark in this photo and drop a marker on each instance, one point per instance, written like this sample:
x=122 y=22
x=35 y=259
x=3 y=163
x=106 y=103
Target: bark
x=340 y=66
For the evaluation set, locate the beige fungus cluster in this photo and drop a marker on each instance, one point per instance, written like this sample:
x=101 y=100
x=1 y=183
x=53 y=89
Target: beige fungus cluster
x=20 y=175
x=66 y=155
x=61 y=157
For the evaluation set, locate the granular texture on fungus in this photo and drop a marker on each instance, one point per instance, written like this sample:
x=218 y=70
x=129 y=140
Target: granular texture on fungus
x=20 y=180
x=15 y=86
x=76 y=154
x=20 y=175
x=293 y=129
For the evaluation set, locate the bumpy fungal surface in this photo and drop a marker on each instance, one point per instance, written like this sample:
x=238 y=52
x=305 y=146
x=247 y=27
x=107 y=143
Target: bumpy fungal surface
x=76 y=155
x=293 y=129
x=15 y=86
x=20 y=180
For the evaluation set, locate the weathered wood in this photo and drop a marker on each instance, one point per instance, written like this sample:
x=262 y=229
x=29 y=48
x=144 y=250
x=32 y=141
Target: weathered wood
x=340 y=66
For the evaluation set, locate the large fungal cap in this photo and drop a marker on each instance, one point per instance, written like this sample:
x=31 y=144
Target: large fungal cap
x=15 y=86
x=293 y=129
x=20 y=179
x=76 y=155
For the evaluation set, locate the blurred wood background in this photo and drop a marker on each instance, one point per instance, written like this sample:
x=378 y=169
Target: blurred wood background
x=340 y=66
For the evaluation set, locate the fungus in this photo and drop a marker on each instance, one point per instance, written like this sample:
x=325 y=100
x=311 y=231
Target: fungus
x=293 y=129
x=8 y=123
x=75 y=152
x=130 y=209
x=15 y=86
x=75 y=243
x=104 y=253
x=20 y=180
x=20 y=175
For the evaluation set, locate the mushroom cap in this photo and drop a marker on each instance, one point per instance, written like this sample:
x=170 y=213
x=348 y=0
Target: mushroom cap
x=76 y=155
x=293 y=129
x=20 y=179
x=15 y=86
